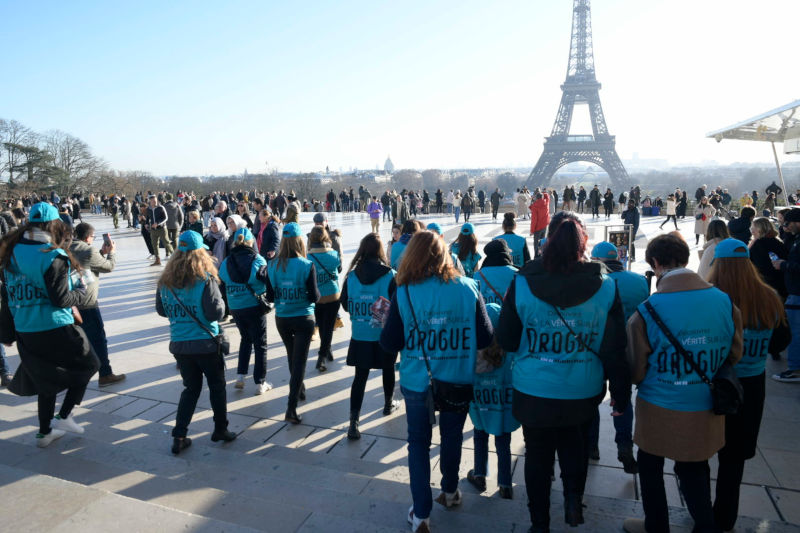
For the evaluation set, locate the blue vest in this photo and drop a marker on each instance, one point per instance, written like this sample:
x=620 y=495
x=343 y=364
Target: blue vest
x=517 y=243
x=701 y=321
x=359 y=302
x=490 y=410
x=446 y=318
x=754 y=354
x=27 y=293
x=291 y=296
x=181 y=325
x=469 y=263
x=240 y=295
x=397 y=253
x=327 y=281
x=633 y=290
x=499 y=277
x=550 y=363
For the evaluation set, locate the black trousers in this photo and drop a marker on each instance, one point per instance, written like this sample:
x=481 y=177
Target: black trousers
x=47 y=406
x=325 y=315
x=741 y=437
x=295 y=331
x=494 y=211
x=193 y=368
x=360 y=384
x=541 y=444
x=694 y=480
x=595 y=210
x=252 y=325
x=674 y=221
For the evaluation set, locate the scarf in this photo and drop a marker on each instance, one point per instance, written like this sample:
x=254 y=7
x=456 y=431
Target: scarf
x=220 y=238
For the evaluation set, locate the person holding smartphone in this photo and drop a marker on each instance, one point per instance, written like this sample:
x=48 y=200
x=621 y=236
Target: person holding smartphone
x=94 y=262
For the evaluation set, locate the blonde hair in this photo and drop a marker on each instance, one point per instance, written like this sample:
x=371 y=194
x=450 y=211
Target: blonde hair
x=184 y=269
x=764 y=227
x=426 y=256
x=759 y=304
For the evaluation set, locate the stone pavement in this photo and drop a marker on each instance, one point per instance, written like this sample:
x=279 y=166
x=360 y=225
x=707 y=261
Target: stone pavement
x=279 y=477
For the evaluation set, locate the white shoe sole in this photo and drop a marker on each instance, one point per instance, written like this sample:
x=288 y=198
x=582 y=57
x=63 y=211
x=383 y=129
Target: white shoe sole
x=47 y=440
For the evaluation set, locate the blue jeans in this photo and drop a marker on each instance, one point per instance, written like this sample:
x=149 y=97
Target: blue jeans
x=503 y=445
x=252 y=325
x=457 y=211
x=451 y=428
x=793 y=316
x=95 y=331
x=623 y=425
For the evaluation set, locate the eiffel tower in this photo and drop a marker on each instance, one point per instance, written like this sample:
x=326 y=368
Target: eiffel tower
x=580 y=87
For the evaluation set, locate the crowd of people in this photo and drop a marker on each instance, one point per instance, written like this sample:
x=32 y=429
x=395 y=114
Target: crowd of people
x=509 y=338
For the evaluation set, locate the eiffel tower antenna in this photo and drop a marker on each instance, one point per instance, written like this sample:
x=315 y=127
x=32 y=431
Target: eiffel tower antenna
x=581 y=87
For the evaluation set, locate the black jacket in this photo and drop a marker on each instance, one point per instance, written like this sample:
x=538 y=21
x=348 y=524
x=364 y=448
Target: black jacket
x=740 y=229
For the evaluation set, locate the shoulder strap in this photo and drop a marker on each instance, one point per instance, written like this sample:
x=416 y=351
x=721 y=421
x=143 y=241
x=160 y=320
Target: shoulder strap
x=677 y=345
x=191 y=314
x=314 y=257
x=490 y=285
x=572 y=332
x=416 y=327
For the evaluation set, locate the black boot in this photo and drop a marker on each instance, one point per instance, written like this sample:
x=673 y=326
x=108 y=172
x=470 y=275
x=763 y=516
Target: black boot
x=629 y=464
x=223 y=435
x=352 y=432
x=573 y=509
x=321 y=364
x=390 y=407
x=292 y=416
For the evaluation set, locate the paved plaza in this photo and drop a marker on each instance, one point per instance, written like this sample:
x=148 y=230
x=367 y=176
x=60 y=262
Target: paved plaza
x=120 y=475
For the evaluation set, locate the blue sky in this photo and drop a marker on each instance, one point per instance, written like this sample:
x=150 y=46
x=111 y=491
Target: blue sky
x=213 y=88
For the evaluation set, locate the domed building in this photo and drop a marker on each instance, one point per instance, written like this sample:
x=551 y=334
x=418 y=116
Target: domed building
x=388 y=166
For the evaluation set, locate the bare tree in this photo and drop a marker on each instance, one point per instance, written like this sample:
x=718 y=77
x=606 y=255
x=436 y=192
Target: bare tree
x=13 y=136
x=74 y=158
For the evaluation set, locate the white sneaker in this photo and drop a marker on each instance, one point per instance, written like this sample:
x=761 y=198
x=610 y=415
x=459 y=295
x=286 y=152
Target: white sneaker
x=43 y=441
x=418 y=525
x=263 y=387
x=67 y=424
x=449 y=499
x=240 y=382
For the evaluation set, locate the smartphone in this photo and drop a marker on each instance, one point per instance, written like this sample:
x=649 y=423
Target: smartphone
x=106 y=239
x=773 y=256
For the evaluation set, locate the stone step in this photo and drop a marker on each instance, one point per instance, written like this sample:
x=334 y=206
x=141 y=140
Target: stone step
x=131 y=457
x=37 y=502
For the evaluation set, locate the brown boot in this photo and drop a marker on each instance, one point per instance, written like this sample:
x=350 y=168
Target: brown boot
x=157 y=262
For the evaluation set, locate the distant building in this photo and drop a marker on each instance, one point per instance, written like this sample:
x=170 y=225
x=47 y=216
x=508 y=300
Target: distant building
x=388 y=166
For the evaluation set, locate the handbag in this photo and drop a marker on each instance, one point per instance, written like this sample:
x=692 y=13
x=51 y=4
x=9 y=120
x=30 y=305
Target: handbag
x=727 y=394
x=442 y=395
x=264 y=305
x=223 y=344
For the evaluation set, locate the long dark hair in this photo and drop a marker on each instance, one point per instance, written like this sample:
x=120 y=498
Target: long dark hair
x=467 y=245
x=371 y=247
x=60 y=235
x=566 y=243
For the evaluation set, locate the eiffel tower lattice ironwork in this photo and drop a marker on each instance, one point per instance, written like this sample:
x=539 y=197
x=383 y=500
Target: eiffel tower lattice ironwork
x=580 y=87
